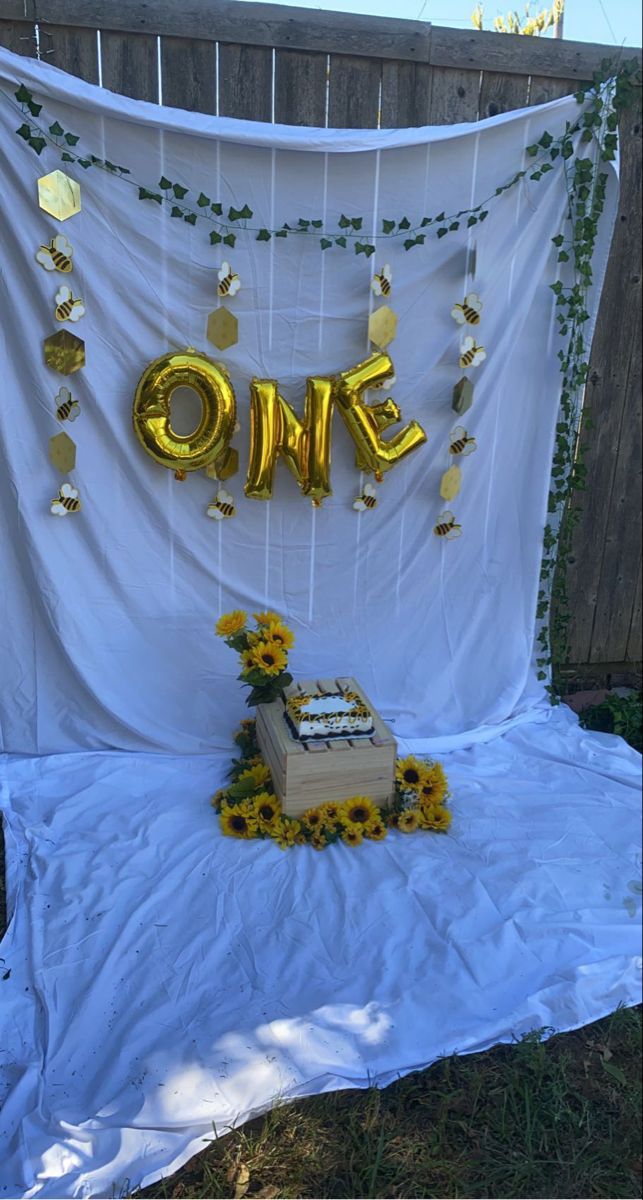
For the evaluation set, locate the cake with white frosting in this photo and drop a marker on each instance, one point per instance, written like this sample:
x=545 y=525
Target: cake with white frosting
x=328 y=714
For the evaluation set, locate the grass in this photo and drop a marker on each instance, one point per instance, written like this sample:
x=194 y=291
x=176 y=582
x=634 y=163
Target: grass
x=552 y=1118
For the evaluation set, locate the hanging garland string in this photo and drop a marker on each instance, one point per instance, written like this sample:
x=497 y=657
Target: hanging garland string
x=604 y=100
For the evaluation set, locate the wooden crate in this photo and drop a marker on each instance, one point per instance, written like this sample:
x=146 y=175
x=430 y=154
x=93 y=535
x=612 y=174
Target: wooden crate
x=306 y=774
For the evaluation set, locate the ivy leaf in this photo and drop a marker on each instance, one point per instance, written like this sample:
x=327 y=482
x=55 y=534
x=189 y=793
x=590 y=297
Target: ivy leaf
x=442 y=231
x=246 y=213
x=340 y=241
x=164 y=183
x=56 y=129
x=317 y=224
x=22 y=95
x=189 y=218
x=229 y=239
x=34 y=108
x=24 y=132
x=404 y=223
x=179 y=191
x=281 y=233
x=302 y=223
x=325 y=243
x=67 y=157
x=38 y=144
x=263 y=235
x=343 y=222
x=536 y=175
x=455 y=225
x=473 y=220
x=546 y=140
x=482 y=216
x=215 y=237
x=217 y=209
x=144 y=194
x=554 y=152
x=357 y=222
x=442 y=216
x=203 y=200
x=586 y=135
x=426 y=221
x=388 y=226
x=532 y=151
x=72 y=139
x=176 y=211
x=234 y=214
x=558 y=240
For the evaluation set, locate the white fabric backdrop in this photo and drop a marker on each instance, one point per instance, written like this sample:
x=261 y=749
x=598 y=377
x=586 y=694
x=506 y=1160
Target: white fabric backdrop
x=108 y=639
x=157 y=977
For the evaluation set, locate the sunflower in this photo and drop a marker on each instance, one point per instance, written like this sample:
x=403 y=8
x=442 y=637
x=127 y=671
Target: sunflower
x=434 y=786
x=267 y=810
x=266 y=657
x=331 y=812
x=393 y=820
x=358 y=811
x=285 y=833
x=318 y=841
x=265 y=618
x=313 y=819
x=301 y=839
x=217 y=799
x=439 y=819
x=410 y=773
x=276 y=631
x=258 y=774
x=375 y=830
x=238 y=822
x=231 y=623
x=352 y=836
x=408 y=821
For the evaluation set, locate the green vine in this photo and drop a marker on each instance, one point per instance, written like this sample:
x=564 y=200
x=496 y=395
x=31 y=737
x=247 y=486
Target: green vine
x=610 y=93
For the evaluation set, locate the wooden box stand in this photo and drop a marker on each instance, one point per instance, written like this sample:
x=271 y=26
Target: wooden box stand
x=306 y=774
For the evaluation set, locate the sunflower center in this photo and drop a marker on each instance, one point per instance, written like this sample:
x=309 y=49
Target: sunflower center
x=358 y=814
x=411 y=775
x=314 y=819
x=238 y=823
x=268 y=658
x=266 y=812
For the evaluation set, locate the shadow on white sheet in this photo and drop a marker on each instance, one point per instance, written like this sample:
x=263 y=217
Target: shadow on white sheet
x=164 y=979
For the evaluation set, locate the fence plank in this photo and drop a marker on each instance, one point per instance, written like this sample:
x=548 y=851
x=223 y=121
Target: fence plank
x=300 y=88
x=501 y=93
x=454 y=96
x=514 y=54
x=19 y=37
x=129 y=64
x=601 y=582
x=245 y=82
x=542 y=89
x=188 y=74
x=406 y=94
x=354 y=92
x=73 y=50
x=634 y=652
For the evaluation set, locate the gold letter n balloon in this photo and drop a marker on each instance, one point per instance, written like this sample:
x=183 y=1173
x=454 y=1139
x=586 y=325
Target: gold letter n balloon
x=305 y=445
x=152 y=417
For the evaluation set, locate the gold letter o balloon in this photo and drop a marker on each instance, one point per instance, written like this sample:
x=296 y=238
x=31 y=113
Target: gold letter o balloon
x=151 y=413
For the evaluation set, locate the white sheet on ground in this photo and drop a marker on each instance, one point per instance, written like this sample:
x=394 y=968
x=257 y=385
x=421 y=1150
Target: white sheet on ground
x=165 y=979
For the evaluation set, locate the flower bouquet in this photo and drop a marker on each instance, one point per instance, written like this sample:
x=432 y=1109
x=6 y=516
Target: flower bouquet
x=263 y=652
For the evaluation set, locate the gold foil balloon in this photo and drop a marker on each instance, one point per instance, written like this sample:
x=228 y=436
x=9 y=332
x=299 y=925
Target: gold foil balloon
x=365 y=422
x=304 y=445
x=151 y=413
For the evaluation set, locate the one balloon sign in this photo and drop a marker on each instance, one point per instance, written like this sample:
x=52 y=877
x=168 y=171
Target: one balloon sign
x=275 y=429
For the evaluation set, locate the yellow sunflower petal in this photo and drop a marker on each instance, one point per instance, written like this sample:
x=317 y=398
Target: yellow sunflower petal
x=231 y=623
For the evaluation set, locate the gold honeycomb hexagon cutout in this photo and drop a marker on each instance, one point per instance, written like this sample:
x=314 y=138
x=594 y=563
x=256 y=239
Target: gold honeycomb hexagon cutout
x=223 y=328
x=59 y=195
x=62 y=452
x=64 y=352
x=382 y=326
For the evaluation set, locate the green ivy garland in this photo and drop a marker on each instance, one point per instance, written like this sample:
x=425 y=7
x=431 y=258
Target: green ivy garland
x=609 y=94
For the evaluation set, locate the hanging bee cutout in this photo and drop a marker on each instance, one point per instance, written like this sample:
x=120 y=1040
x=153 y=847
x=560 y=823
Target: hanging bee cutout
x=381 y=284
x=67 y=501
x=368 y=499
x=222 y=506
x=56 y=256
x=471 y=355
x=68 y=308
x=67 y=409
x=461 y=443
x=229 y=282
x=447 y=527
x=469 y=311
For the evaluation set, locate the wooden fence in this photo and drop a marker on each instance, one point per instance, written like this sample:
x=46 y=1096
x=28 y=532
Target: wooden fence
x=306 y=67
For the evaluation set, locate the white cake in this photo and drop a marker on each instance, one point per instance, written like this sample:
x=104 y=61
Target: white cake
x=328 y=714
